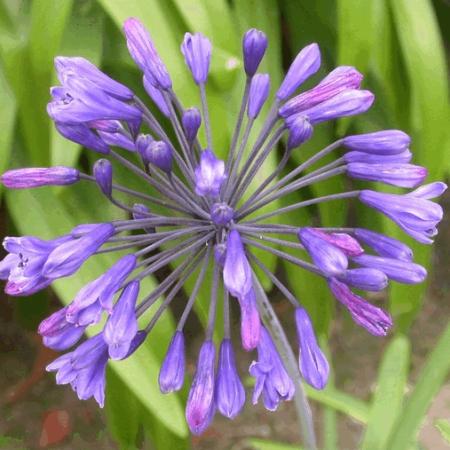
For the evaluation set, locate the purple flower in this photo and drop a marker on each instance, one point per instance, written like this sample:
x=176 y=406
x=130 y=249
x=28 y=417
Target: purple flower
x=306 y=63
x=349 y=245
x=230 y=394
x=254 y=46
x=386 y=142
x=103 y=176
x=272 y=379
x=346 y=103
x=368 y=158
x=67 y=258
x=237 y=273
x=196 y=210
x=160 y=155
x=427 y=191
x=39 y=176
x=209 y=175
x=83 y=135
x=340 y=79
x=84 y=369
x=259 y=91
x=312 y=362
x=373 y=319
x=200 y=406
x=157 y=97
x=80 y=100
x=196 y=49
x=171 y=375
x=327 y=257
x=59 y=334
x=122 y=326
x=191 y=120
x=250 y=321
x=221 y=213
x=81 y=67
x=365 y=278
x=144 y=54
x=118 y=139
x=417 y=216
x=100 y=291
x=396 y=269
x=22 y=267
x=300 y=130
x=402 y=175
x=384 y=245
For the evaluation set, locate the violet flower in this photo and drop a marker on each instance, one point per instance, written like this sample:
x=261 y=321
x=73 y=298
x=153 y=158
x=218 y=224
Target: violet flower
x=194 y=210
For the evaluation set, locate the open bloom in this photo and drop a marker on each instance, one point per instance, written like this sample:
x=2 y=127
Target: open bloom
x=194 y=212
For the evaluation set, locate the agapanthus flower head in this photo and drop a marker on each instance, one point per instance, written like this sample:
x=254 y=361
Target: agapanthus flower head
x=197 y=214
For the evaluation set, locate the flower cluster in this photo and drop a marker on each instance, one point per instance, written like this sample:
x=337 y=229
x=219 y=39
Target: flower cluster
x=197 y=211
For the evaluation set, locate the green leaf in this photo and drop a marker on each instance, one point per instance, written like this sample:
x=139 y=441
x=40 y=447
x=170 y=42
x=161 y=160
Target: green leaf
x=431 y=378
x=122 y=412
x=263 y=444
x=444 y=428
x=388 y=399
x=340 y=401
x=356 y=32
x=7 y=119
x=424 y=59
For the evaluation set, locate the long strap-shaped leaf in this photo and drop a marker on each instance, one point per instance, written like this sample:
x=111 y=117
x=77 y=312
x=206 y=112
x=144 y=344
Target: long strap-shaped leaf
x=430 y=381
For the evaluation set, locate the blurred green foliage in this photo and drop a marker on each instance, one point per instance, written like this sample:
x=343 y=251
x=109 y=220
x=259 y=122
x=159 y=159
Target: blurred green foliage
x=397 y=44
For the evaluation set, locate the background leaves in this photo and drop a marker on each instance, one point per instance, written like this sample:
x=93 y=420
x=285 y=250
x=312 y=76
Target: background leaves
x=397 y=44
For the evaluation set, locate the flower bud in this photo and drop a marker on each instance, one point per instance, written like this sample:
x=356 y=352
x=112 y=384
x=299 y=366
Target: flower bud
x=200 y=405
x=237 y=274
x=365 y=279
x=399 y=270
x=196 y=49
x=254 y=46
x=143 y=52
x=300 y=130
x=347 y=103
x=402 y=175
x=171 y=374
x=384 y=245
x=312 y=362
x=39 y=176
x=230 y=393
x=367 y=158
x=103 y=176
x=157 y=97
x=83 y=135
x=160 y=155
x=385 y=142
x=122 y=327
x=209 y=175
x=327 y=257
x=259 y=91
x=306 y=63
x=191 y=123
x=221 y=213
